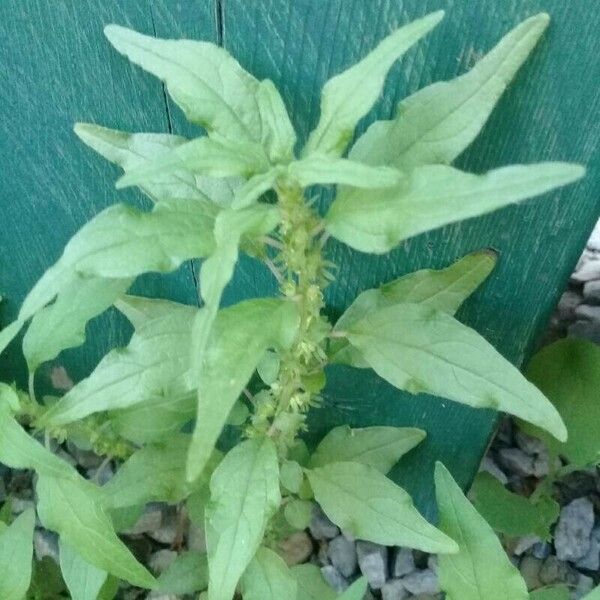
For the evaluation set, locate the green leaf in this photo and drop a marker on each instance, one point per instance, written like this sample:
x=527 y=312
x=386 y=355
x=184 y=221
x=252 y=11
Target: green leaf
x=83 y=579
x=593 y=595
x=139 y=310
x=61 y=325
x=47 y=582
x=480 y=570
x=206 y=82
x=16 y=552
x=510 y=513
x=256 y=186
x=422 y=350
x=311 y=585
x=239 y=338
x=18 y=450
x=9 y=397
x=268 y=578
x=133 y=151
x=362 y=501
x=291 y=476
x=154 y=364
x=435 y=195
x=277 y=132
x=554 y=592
x=268 y=367
x=298 y=513
x=72 y=508
x=322 y=169
x=237 y=515
x=377 y=447
x=568 y=372
x=349 y=96
x=123 y=242
x=438 y=122
x=187 y=574
x=203 y=156
x=356 y=591
x=152 y=473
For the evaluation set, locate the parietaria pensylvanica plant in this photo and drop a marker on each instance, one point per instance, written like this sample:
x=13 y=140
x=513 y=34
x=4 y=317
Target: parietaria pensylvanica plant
x=187 y=364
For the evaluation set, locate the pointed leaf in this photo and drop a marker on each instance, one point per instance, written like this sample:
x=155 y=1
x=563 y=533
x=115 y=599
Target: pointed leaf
x=298 y=513
x=311 y=585
x=349 y=96
x=83 y=579
x=154 y=364
x=207 y=83
x=187 y=574
x=256 y=186
x=237 y=515
x=61 y=325
x=16 y=553
x=480 y=570
x=422 y=350
x=123 y=242
x=356 y=591
x=368 y=505
x=268 y=578
x=553 y=592
x=240 y=336
x=378 y=447
x=438 y=122
x=593 y=595
x=436 y=195
x=133 y=151
x=71 y=507
x=139 y=310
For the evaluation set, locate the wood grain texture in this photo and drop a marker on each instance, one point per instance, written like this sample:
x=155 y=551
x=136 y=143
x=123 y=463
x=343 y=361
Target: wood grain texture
x=57 y=68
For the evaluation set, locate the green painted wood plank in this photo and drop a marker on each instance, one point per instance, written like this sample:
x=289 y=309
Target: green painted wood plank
x=551 y=112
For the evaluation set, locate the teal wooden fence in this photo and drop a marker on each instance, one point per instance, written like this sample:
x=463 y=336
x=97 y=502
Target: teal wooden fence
x=56 y=68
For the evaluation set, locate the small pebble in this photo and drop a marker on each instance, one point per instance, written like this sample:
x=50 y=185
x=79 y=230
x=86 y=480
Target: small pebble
x=574 y=529
x=296 y=549
x=167 y=532
x=160 y=561
x=45 y=543
x=516 y=461
x=85 y=458
x=321 y=528
x=342 y=554
x=583 y=587
x=404 y=562
x=591 y=560
x=373 y=561
x=394 y=590
x=529 y=568
x=591 y=292
x=554 y=570
x=586 y=330
x=525 y=543
x=422 y=582
x=150 y=520
x=541 y=550
x=529 y=444
x=569 y=301
x=334 y=578
x=489 y=466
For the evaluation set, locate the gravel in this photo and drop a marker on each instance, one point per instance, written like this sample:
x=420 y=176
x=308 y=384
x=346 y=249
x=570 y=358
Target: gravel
x=321 y=528
x=343 y=556
x=572 y=537
x=373 y=562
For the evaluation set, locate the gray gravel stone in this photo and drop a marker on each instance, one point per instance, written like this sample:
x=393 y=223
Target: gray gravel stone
x=588 y=312
x=586 y=330
x=19 y=505
x=554 y=570
x=489 y=466
x=150 y=520
x=342 y=554
x=529 y=568
x=541 y=550
x=573 y=532
x=583 y=587
x=529 y=444
x=45 y=543
x=334 y=578
x=167 y=532
x=591 y=560
x=432 y=563
x=524 y=544
x=160 y=561
x=422 y=582
x=569 y=301
x=373 y=561
x=296 y=549
x=591 y=292
x=85 y=458
x=587 y=269
x=541 y=464
x=394 y=590
x=404 y=562
x=517 y=461
x=321 y=528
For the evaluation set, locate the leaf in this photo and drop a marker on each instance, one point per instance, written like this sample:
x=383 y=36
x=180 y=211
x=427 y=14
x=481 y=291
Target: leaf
x=268 y=578
x=16 y=553
x=377 y=447
x=83 y=579
x=256 y=186
x=61 y=325
x=18 y=450
x=568 y=373
x=152 y=473
x=203 y=156
x=480 y=570
x=362 y=501
x=291 y=476
x=277 y=132
x=187 y=574
x=422 y=350
x=239 y=338
x=554 y=592
x=322 y=169
x=438 y=122
x=435 y=195
x=123 y=242
x=593 y=595
x=311 y=585
x=71 y=507
x=349 y=96
x=133 y=151
x=237 y=516
x=298 y=513
x=356 y=591
x=139 y=310
x=510 y=513
x=155 y=363
x=268 y=367
x=206 y=82
x=444 y=289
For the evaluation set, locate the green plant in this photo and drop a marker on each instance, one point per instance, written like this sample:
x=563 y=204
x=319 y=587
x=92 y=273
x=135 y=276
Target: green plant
x=185 y=363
